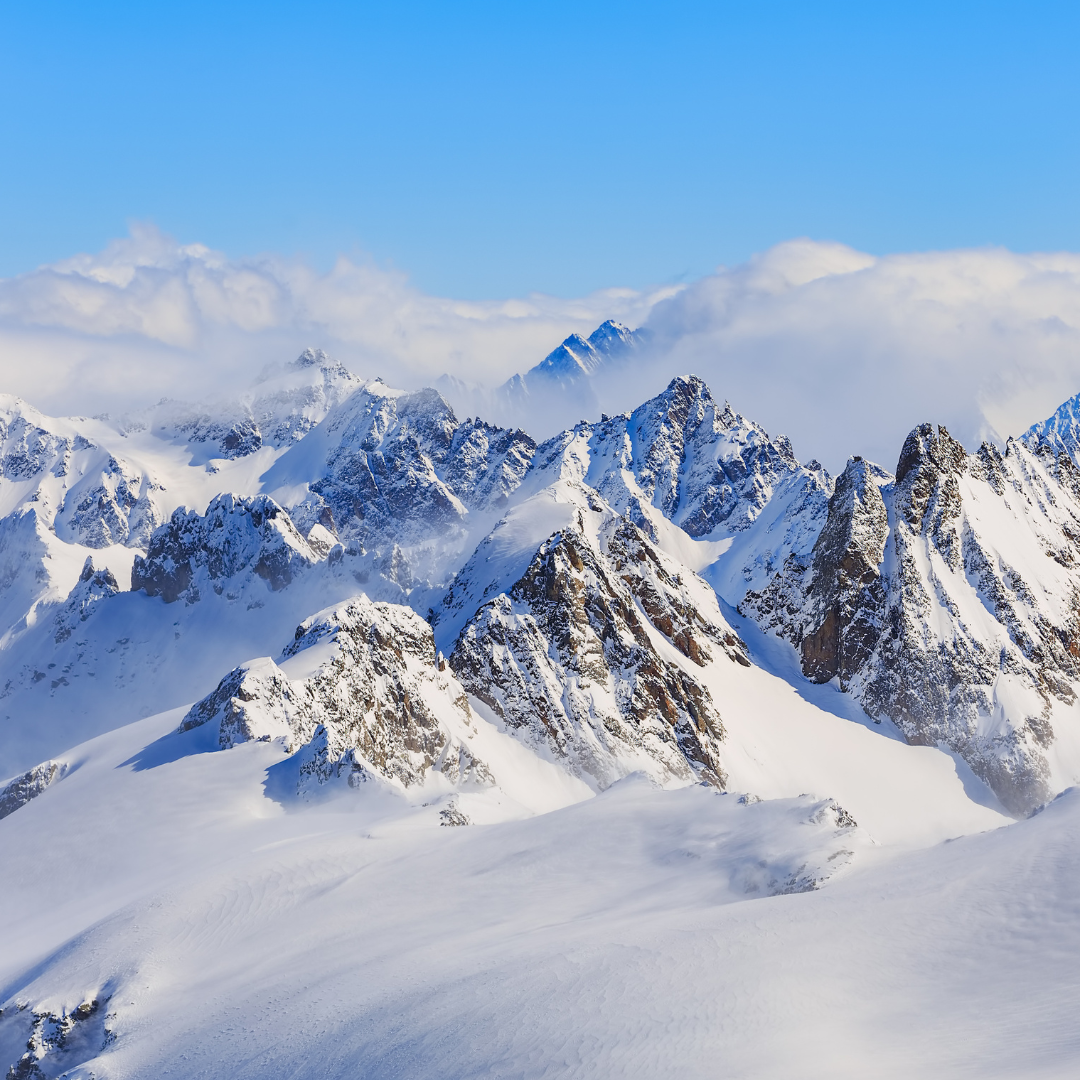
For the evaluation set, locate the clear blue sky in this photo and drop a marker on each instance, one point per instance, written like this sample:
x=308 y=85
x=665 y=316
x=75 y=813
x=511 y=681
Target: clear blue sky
x=494 y=149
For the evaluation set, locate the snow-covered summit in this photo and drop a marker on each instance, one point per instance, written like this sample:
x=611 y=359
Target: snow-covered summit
x=578 y=357
x=1059 y=433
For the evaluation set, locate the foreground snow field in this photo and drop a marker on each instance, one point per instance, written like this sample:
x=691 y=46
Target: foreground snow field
x=223 y=933
x=414 y=749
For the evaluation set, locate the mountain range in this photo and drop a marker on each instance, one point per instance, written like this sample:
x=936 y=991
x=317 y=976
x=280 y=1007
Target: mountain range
x=275 y=628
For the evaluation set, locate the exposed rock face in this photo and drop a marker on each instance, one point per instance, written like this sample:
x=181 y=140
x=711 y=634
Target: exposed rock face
x=703 y=466
x=947 y=601
x=567 y=659
x=117 y=510
x=400 y=469
x=359 y=692
x=93 y=586
x=87 y=494
x=194 y=551
x=18 y=792
x=831 y=606
x=60 y=1041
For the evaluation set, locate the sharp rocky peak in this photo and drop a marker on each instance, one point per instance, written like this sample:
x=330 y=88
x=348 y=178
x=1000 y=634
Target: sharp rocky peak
x=933 y=617
x=236 y=536
x=586 y=612
x=376 y=703
x=391 y=468
x=1059 y=433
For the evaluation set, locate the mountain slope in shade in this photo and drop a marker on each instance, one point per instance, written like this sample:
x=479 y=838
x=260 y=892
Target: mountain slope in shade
x=1059 y=433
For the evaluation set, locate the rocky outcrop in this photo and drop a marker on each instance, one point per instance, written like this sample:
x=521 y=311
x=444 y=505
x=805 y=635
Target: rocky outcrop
x=831 y=605
x=56 y=1041
x=234 y=537
x=92 y=587
x=18 y=792
x=568 y=659
x=947 y=602
x=401 y=470
x=359 y=692
x=703 y=465
x=86 y=494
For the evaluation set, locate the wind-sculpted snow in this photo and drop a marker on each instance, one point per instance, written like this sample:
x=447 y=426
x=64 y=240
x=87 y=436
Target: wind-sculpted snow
x=577 y=655
x=169 y=920
x=194 y=552
x=360 y=692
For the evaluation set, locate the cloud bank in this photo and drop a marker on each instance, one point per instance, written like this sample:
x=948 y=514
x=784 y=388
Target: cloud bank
x=845 y=352
x=148 y=317
x=842 y=351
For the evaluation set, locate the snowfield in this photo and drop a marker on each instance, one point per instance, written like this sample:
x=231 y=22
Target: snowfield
x=642 y=932
x=340 y=737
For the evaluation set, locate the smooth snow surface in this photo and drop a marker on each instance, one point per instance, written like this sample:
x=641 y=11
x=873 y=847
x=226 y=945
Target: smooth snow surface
x=631 y=934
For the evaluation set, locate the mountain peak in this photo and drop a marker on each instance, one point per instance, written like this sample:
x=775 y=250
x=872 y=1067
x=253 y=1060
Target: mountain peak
x=1060 y=432
x=312 y=358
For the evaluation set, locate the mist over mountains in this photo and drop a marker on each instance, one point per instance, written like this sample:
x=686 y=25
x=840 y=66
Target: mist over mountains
x=831 y=346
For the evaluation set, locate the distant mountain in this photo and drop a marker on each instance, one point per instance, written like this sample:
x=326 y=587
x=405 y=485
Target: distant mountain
x=571 y=366
x=1059 y=434
x=558 y=390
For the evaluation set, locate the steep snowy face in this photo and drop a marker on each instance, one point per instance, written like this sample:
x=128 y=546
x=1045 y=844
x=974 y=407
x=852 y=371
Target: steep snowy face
x=399 y=473
x=589 y=655
x=704 y=467
x=949 y=602
x=682 y=458
x=359 y=692
x=195 y=552
x=1058 y=434
x=576 y=359
x=81 y=490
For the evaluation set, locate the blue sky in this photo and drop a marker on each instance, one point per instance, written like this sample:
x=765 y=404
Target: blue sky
x=490 y=150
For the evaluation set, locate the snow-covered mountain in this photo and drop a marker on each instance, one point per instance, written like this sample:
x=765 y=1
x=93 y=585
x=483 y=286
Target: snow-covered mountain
x=259 y=653
x=558 y=390
x=576 y=359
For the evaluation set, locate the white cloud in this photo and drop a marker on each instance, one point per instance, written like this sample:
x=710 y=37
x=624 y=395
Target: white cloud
x=845 y=353
x=147 y=318
x=842 y=351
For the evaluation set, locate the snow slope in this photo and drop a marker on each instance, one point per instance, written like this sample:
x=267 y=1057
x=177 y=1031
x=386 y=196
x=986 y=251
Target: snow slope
x=223 y=932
